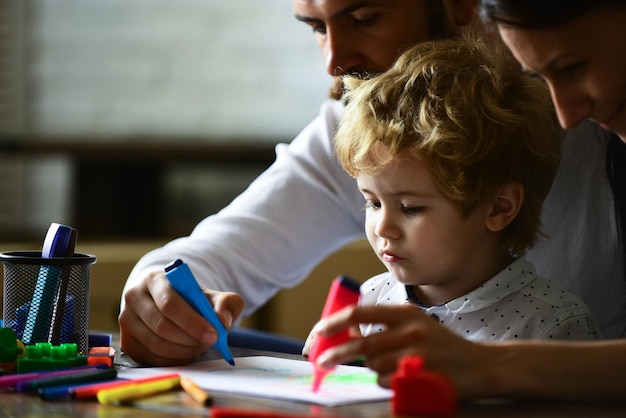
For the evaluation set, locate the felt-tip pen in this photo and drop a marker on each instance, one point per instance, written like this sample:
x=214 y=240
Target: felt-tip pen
x=11 y=381
x=343 y=292
x=49 y=393
x=86 y=376
x=182 y=280
x=198 y=394
x=91 y=391
x=136 y=390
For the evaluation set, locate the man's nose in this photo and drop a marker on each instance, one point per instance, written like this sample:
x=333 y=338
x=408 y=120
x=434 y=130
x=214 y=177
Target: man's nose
x=341 y=53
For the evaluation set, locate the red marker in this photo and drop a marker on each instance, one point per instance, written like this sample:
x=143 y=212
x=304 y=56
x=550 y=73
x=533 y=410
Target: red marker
x=343 y=292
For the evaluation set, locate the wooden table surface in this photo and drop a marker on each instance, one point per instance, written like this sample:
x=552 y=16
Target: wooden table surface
x=179 y=404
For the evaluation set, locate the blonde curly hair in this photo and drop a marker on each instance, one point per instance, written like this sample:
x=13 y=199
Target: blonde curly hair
x=465 y=108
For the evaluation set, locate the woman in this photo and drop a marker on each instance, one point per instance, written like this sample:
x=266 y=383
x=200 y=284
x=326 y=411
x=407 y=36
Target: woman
x=579 y=48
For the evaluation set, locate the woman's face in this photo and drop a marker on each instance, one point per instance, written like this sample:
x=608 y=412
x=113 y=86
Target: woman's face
x=584 y=64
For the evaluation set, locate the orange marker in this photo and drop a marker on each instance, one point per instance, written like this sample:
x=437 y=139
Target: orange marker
x=196 y=392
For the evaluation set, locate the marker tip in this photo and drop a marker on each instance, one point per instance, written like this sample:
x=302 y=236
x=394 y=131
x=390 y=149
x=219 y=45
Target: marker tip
x=318 y=376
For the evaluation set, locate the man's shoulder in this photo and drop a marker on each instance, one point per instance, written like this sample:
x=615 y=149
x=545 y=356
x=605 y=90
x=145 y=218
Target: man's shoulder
x=333 y=108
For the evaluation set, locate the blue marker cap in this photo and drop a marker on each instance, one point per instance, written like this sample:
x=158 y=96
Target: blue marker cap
x=182 y=280
x=59 y=242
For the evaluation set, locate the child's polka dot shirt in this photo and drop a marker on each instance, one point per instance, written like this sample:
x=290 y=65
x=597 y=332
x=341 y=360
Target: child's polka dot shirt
x=515 y=304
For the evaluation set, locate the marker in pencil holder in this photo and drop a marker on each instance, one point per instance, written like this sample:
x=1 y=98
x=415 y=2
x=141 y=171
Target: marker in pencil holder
x=47 y=299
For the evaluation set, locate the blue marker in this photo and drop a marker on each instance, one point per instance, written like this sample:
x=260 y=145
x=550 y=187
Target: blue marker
x=47 y=307
x=60 y=331
x=182 y=280
x=62 y=386
x=61 y=391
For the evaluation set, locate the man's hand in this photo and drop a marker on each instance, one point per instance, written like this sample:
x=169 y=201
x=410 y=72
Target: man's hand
x=158 y=327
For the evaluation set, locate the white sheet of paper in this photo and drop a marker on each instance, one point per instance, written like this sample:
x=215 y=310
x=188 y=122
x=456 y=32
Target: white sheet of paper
x=276 y=378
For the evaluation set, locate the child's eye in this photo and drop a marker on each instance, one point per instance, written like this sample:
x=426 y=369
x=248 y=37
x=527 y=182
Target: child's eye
x=412 y=210
x=371 y=205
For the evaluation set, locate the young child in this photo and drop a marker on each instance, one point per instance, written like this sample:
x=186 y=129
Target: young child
x=454 y=149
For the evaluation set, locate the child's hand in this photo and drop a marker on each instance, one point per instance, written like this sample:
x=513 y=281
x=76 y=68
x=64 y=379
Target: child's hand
x=408 y=331
x=308 y=344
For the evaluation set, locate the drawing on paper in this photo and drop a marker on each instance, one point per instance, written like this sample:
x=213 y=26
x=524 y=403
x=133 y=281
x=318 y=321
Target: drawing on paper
x=278 y=378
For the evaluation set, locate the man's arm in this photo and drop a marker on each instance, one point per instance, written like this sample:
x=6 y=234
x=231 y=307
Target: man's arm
x=298 y=212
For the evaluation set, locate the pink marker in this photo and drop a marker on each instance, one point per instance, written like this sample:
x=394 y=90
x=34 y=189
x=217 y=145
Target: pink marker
x=343 y=292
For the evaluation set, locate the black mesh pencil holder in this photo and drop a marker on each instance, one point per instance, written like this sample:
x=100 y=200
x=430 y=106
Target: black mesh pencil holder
x=47 y=299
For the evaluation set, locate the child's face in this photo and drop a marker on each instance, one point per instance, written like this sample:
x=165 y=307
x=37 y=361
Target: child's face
x=422 y=238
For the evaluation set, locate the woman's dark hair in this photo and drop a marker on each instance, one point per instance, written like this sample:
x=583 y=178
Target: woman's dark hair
x=616 y=173
x=539 y=13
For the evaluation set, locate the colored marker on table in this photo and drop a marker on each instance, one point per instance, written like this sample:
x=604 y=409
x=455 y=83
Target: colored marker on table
x=137 y=390
x=182 y=280
x=343 y=292
x=91 y=391
x=198 y=394
x=12 y=381
x=64 y=391
x=74 y=378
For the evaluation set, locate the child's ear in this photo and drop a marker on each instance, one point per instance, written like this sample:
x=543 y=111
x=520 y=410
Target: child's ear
x=505 y=207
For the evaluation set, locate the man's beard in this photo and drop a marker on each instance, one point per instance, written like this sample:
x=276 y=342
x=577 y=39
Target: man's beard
x=337 y=89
